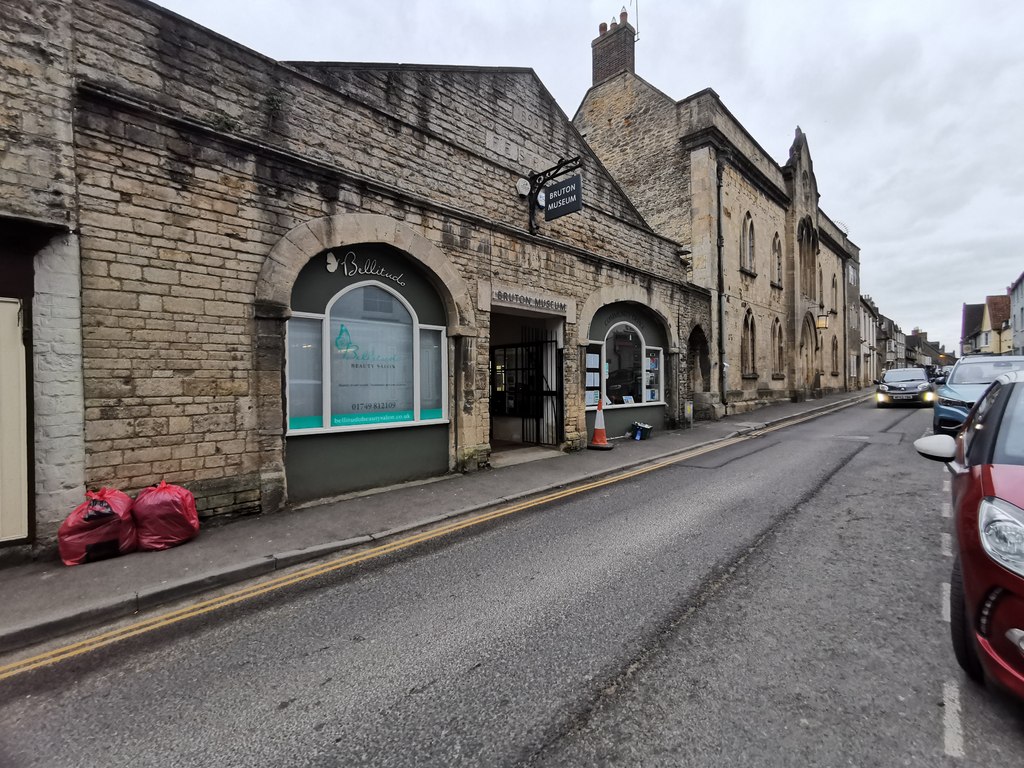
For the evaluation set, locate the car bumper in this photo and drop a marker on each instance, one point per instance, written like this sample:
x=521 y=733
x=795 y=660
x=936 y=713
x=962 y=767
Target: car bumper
x=904 y=398
x=996 y=608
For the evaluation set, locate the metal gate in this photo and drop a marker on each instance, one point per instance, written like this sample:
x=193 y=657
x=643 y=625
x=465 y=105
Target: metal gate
x=526 y=381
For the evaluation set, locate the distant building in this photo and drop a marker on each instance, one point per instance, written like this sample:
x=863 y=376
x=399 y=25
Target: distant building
x=1016 y=293
x=986 y=327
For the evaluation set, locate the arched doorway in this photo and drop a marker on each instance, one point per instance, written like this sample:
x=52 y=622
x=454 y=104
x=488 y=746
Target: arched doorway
x=699 y=359
x=808 y=353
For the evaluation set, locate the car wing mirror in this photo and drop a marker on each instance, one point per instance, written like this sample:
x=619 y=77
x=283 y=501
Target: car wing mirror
x=936 y=447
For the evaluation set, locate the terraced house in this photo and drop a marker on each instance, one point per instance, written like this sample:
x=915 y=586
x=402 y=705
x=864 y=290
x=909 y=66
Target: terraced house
x=783 y=277
x=274 y=282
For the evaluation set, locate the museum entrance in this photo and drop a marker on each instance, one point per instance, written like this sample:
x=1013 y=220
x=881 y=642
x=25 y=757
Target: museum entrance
x=526 y=388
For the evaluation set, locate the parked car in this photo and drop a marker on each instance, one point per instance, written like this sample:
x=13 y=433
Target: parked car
x=904 y=386
x=986 y=596
x=964 y=383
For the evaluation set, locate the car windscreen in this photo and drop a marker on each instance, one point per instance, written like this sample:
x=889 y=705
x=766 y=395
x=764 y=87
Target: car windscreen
x=982 y=372
x=1009 y=447
x=905 y=374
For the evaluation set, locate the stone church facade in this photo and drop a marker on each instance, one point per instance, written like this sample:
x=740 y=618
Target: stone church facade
x=275 y=282
x=783 y=277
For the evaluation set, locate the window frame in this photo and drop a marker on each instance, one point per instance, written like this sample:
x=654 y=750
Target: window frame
x=748 y=261
x=417 y=373
x=748 y=347
x=645 y=350
x=777 y=259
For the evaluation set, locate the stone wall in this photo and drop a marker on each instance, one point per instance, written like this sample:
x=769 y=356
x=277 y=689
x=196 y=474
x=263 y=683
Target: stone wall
x=197 y=157
x=36 y=90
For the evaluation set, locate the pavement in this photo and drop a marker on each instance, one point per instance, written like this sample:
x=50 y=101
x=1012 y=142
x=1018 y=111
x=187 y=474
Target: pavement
x=44 y=599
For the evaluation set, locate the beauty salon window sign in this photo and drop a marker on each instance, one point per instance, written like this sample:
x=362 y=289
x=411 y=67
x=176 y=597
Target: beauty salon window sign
x=366 y=362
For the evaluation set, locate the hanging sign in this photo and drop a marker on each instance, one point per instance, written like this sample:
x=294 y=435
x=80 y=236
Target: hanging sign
x=564 y=197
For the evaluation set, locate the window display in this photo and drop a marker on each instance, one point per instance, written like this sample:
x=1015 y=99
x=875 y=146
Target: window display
x=631 y=373
x=381 y=367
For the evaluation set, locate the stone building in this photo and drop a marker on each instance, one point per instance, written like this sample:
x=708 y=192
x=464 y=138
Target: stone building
x=782 y=275
x=275 y=282
x=869 y=366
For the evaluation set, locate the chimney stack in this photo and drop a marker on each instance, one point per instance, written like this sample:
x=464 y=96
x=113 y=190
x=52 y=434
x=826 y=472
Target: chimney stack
x=613 y=49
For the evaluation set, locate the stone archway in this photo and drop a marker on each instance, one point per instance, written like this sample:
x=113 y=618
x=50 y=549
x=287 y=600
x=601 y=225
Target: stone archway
x=272 y=308
x=301 y=243
x=699 y=357
x=808 y=353
x=626 y=293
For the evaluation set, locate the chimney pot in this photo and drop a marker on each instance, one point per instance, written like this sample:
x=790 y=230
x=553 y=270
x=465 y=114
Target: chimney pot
x=623 y=16
x=613 y=49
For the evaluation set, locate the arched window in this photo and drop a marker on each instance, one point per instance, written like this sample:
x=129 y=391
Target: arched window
x=747 y=245
x=633 y=370
x=778 y=349
x=777 y=261
x=821 y=289
x=835 y=356
x=748 y=346
x=366 y=362
x=835 y=294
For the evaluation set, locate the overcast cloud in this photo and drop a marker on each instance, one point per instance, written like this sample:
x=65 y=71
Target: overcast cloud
x=913 y=109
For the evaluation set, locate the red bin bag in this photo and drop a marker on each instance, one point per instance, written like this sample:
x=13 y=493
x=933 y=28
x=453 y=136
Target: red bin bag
x=165 y=516
x=99 y=528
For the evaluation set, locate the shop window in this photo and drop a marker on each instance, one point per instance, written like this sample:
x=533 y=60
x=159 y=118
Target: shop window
x=365 y=363
x=632 y=371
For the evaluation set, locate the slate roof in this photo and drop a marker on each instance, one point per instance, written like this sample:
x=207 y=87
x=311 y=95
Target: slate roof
x=973 y=314
x=998 y=311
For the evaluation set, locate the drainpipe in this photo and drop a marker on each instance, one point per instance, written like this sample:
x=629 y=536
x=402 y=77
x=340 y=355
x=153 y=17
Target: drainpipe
x=457 y=355
x=720 y=157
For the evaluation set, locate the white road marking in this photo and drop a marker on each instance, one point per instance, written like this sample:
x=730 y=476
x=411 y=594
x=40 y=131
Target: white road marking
x=952 y=729
x=947 y=509
x=945 y=601
x=946 y=544
x=945 y=485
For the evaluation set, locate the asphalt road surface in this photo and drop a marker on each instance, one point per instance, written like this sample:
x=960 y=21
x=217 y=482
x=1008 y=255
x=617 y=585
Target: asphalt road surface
x=779 y=602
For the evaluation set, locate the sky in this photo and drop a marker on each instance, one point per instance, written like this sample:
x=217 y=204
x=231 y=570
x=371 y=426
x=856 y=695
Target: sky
x=913 y=109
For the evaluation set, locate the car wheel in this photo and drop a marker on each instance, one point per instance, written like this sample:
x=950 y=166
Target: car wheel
x=960 y=628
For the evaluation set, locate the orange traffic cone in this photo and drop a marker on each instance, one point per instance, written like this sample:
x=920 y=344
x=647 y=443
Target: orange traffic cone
x=600 y=441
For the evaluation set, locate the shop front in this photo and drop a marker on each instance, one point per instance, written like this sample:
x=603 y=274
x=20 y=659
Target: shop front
x=625 y=367
x=367 y=373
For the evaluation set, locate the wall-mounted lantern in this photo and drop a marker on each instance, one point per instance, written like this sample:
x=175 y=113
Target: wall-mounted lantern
x=821 y=323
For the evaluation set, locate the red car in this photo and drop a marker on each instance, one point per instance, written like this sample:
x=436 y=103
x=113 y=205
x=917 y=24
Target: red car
x=986 y=597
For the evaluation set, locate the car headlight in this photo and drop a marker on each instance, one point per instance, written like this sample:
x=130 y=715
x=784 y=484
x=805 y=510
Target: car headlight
x=883 y=387
x=954 y=403
x=923 y=387
x=1002 y=533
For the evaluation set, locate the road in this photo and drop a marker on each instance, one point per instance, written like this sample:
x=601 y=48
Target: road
x=777 y=602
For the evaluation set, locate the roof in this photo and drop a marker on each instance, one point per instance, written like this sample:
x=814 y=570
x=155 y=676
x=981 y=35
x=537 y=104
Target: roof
x=998 y=310
x=973 y=314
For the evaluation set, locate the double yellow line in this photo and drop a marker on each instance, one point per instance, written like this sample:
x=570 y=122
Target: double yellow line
x=247 y=593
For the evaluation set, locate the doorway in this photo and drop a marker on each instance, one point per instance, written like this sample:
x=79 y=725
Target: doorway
x=13 y=424
x=526 y=387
